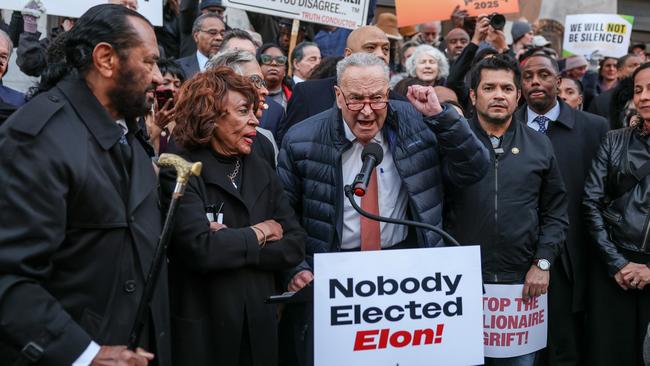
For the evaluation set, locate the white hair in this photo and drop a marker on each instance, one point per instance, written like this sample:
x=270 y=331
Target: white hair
x=360 y=59
x=231 y=58
x=7 y=39
x=425 y=49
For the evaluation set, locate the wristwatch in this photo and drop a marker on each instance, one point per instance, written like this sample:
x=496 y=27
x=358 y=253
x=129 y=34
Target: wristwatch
x=542 y=264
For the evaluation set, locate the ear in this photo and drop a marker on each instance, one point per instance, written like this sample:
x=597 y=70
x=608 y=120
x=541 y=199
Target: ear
x=105 y=59
x=195 y=36
x=518 y=95
x=347 y=52
x=472 y=96
x=339 y=97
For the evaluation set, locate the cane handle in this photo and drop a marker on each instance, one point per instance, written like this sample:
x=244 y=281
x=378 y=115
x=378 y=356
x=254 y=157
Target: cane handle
x=184 y=169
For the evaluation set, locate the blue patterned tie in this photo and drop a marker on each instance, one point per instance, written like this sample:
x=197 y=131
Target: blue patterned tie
x=123 y=139
x=541 y=122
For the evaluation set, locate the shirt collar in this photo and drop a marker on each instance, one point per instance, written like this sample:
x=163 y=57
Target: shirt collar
x=297 y=79
x=352 y=138
x=552 y=115
x=202 y=60
x=123 y=126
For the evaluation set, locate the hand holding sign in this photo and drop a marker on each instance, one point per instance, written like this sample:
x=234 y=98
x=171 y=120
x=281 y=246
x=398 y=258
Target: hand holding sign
x=536 y=282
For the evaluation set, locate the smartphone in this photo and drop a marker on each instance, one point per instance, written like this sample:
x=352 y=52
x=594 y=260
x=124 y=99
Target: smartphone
x=162 y=96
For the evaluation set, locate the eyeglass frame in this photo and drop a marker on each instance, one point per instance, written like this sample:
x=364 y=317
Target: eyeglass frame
x=364 y=102
x=211 y=34
x=274 y=58
x=257 y=81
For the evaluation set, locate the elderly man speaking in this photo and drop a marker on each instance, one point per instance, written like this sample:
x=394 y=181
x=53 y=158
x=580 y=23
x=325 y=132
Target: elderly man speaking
x=425 y=146
x=323 y=153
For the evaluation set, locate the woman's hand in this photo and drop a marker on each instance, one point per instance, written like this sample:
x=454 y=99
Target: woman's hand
x=269 y=228
x=165 y=114
x=635 y=275
x=215 y=226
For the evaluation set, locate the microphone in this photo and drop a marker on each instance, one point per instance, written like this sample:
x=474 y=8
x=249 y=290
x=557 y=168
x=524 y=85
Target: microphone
x=372 y=155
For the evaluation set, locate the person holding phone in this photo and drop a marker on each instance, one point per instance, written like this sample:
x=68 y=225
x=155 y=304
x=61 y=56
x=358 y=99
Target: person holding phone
x=160 y=123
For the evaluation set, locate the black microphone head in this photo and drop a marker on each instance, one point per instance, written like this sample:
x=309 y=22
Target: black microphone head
x=375 y=150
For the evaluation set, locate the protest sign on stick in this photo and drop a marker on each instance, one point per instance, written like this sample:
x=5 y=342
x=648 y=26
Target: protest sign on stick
x=349 y=14
x=405 y=307
x=513 y=326
x=410 y=12
x=597 y=35
x=151 y=9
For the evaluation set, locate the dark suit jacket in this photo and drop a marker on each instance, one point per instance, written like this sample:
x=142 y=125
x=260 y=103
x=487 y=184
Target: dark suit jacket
x=576 y=136
x=310 y=98
x=79 y=229
x=190 y=65
x=272 y=117
x=219 y=280
x=601 y=104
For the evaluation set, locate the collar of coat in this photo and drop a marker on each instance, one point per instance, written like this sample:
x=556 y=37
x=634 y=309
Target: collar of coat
x=96 y=118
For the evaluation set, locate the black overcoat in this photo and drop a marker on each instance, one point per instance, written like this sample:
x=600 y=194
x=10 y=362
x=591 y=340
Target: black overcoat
x=219 y=280
x=76 y=238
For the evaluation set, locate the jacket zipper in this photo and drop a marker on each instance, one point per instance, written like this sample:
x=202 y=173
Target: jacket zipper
x=644 y=245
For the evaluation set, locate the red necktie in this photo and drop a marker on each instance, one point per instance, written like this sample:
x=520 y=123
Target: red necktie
x=370 y=233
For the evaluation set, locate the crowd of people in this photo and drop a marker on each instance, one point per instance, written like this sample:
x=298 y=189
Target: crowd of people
x=541 y=160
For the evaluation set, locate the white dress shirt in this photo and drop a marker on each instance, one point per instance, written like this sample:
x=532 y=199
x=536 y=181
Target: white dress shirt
x=297 y=79
x=552 y=115
x=202 y=60
x=391 y=195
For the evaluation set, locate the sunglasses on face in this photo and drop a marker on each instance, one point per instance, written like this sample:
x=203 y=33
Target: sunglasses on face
x=268 y=59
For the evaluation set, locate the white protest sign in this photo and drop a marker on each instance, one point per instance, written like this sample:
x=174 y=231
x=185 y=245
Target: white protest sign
x=151 y=9
x=411 y=307
x=590 y=35
x=512 y=327
x=349 y=14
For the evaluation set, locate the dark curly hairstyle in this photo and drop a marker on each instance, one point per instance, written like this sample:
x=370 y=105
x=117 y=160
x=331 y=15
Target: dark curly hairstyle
x=73 y=51
x=202 y=102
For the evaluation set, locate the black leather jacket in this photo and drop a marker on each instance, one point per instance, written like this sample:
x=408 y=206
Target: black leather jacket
x=618 y=221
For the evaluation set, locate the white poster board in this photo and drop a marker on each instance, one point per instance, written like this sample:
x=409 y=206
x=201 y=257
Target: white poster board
x=349 y=14
x=412 y=307
x=511 y=326
x=151 y=9
x=597 y=35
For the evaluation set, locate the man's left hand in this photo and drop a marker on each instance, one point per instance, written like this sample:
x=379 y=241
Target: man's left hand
x=536 y=282
x=424 y=99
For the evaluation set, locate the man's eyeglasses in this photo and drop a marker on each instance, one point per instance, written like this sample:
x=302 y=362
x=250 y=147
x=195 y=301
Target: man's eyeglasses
x=213 y=32
x=267 y=59
x=357 y=105
x=257 y=81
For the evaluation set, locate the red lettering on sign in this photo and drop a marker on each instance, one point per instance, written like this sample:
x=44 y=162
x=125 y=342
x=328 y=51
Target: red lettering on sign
x=368 y=340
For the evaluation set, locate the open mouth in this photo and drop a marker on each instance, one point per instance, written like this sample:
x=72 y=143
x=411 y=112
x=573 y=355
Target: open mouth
x=248 y=138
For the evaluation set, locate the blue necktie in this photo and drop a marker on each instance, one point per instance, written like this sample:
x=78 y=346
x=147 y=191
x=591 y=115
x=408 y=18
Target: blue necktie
x=541 y=122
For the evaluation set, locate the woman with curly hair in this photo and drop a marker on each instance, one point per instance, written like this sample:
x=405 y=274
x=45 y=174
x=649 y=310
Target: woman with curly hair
x=427 y=66
x=234 y=229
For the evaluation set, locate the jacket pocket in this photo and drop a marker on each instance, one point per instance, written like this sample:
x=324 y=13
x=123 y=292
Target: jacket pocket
x=611 y=217
x=91 y=322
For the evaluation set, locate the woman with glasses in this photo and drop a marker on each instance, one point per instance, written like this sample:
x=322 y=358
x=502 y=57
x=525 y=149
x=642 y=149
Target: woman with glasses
x=274 y=67
x=233 y=232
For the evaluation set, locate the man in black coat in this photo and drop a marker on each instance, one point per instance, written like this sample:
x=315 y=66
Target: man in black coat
x=575 y=136
x=314 y=96
x=79 y=205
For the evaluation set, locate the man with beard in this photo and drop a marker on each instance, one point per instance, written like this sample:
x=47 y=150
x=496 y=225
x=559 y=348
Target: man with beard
x=518 y=210
x=79 y=205
x=575 y=136
x=208 y=31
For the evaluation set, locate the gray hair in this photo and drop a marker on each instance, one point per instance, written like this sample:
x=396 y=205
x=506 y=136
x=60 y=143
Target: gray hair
x=360 y=59
x=425 y=49
x=6 y=37
x=198 y=22
x=231 y=58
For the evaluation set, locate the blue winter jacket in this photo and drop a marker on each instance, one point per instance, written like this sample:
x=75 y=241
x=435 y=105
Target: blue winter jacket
x=428 y=153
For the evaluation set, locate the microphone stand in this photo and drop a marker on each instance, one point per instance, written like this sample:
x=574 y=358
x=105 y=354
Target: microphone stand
x=349 y=193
